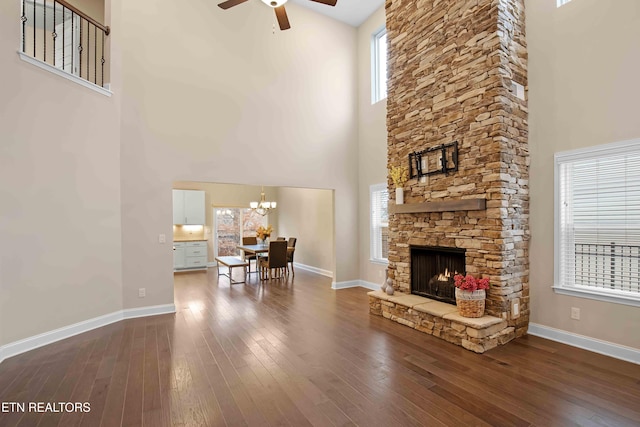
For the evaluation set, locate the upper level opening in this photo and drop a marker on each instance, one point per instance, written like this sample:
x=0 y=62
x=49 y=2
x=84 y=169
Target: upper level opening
x=69 y=36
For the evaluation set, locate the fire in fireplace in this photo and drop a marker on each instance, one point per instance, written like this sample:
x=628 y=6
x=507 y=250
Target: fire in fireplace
x=432 y=271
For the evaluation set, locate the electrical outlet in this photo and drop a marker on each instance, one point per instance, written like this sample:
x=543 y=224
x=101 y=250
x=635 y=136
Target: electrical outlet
x=515 y=308
x=142 y=292
x=575 y=313
x=517 y=90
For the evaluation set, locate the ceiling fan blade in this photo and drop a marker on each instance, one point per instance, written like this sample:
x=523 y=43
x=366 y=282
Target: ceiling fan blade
x=230 y=3
x=281 y=14
x=327 y=2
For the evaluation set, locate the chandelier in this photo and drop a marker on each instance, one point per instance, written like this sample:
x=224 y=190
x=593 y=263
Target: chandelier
x=262 y=207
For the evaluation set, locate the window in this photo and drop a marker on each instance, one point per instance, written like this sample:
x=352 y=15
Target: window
x=379 y=66
x=379 y=199
x=562 y=2
x=597 y=222
x=231 y=225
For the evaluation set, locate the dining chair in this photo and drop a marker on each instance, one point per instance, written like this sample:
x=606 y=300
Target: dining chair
x=277 y=259
x=291 y=249
x=250 y=241
x=281 y=238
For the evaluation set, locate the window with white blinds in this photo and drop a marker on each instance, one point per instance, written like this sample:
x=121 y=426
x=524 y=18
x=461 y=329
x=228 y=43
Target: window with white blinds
x=598 y=221
x=379 y=200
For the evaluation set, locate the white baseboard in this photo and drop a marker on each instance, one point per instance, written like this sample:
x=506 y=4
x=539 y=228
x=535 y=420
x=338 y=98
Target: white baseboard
x=31 y=343
x=355 y=284
x=369 y=285
x=152 y=310
x=617 y=351
x=312 y=269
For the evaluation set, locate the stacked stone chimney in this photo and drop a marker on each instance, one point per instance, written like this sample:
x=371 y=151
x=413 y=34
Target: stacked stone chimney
x=454 y=71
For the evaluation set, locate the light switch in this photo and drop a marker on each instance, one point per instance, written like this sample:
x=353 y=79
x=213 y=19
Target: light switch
x=162 y=238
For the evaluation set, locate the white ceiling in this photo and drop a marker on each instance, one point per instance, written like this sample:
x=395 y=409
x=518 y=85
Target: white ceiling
x=352 y=12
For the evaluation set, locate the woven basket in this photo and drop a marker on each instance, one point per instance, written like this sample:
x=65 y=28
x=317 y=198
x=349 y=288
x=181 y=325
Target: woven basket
x=470 y=303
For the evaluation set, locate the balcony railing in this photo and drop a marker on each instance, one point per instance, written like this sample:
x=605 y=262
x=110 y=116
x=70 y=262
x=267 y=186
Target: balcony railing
x=611 y=266
x=61 y=35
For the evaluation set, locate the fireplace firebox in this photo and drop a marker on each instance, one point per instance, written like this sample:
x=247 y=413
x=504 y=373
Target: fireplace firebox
x=432 y=271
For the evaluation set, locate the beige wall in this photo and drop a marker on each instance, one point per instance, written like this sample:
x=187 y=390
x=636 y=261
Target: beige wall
x=584 y=62
x=308 y=215
x=372 y=145
x=93 y=8
x=227 y=100
x=60 y=226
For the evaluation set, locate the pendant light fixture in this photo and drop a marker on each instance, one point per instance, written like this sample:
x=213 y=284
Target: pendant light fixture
x=262 y=207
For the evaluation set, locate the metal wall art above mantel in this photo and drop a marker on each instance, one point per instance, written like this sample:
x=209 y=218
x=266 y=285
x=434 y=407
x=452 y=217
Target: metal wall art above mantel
x=439 y=159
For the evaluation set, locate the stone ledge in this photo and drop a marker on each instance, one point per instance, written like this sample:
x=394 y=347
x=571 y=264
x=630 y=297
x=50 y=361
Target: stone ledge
x=383 y=295
x=407 y=300
x=436 y=308
x=474 y=322
x=441 y=320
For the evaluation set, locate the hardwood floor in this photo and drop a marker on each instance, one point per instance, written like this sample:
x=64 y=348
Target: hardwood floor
x=296 y=353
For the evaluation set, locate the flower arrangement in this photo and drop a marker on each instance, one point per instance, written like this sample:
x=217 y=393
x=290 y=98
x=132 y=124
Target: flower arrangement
x=399 y=175
x=470 y=283
x=262 y=233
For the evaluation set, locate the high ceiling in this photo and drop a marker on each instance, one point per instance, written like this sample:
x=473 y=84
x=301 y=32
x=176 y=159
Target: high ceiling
x=352 y=12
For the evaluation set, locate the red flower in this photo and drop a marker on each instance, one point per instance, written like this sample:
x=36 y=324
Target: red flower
x=470 y=283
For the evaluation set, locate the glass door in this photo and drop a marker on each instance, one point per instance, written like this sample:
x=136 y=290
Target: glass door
x=231 y=225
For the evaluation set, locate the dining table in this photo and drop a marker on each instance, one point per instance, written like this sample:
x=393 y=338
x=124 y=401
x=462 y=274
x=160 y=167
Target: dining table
x=257 y=250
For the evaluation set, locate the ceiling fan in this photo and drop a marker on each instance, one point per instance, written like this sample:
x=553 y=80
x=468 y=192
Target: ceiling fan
x=278 y=6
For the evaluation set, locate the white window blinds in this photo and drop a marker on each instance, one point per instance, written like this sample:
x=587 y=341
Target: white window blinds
x=379 y=199
x=598 y=210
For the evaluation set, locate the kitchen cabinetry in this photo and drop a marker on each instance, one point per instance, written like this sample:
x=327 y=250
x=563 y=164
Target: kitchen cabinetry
x=190 y=255
x=188 y=207
x=178 y=256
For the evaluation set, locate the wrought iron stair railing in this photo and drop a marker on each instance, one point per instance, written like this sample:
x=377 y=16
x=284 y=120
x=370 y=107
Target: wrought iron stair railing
x=61 y=35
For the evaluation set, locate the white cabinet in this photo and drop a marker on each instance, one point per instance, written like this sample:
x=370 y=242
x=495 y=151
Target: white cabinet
x=190 y=255
x=178 y=256
x=188 y=207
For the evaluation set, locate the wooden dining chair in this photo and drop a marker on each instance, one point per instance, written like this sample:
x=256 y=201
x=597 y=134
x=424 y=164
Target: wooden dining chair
x=250 y=241
x=291 y=249
x=277 y=260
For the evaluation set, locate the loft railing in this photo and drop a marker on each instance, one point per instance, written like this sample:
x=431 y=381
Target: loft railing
x=60 y=34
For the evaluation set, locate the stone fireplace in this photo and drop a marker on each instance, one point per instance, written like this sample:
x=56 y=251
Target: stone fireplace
x=458 y=74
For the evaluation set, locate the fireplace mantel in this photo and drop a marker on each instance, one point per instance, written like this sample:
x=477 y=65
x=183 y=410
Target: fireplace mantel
x=444 y=206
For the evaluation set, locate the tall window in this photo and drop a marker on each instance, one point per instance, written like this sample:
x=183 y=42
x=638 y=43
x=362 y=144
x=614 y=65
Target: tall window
x=379 y=65
x=379 y=199
x=231 y=225
x=598 y=222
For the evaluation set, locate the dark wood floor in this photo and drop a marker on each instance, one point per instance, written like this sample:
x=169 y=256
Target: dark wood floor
x=297 y=353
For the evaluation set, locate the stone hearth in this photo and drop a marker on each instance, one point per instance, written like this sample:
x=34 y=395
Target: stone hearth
x=453 y=67
x=441 y=320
